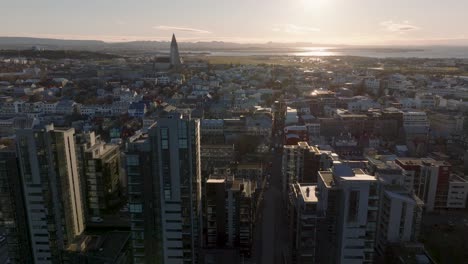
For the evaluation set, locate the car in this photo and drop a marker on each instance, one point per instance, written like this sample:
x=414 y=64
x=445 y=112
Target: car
x=97 y=219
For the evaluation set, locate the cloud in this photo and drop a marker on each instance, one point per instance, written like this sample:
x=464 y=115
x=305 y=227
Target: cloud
x=294 y=29
x=398 y=27
x=184 y=29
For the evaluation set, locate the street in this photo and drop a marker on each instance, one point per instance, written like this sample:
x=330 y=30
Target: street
x=271 y=233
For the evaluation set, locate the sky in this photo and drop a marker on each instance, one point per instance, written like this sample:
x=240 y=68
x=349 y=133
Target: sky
x=353 y=22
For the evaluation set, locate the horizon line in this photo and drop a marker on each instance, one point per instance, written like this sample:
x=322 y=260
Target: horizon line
x=130 y=39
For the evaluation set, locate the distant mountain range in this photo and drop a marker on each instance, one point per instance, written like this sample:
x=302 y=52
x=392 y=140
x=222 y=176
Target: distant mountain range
x=458 y=47
x=97 y=45
x=158 y=46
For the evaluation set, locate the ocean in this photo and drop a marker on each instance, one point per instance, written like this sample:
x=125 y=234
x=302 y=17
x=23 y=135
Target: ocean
x=435 y=52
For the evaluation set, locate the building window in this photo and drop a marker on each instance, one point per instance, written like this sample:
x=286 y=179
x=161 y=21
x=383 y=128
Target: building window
x=135 y=208
x=353 y=207
x=132 y=160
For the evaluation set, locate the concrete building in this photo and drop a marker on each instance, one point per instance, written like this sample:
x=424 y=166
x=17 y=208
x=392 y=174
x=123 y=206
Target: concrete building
x=446 y=124
x=389 y=173
x=291 y=117
x=52 y=192
x=425 y=101
x=303 y=223
x=400 y=217
x=415 y=123
x=216 y=156
x=431 y=180
x=301 y=163
x=457 y=192
x=100 y=166
x=12 y=208
x=229 y=205
x=111 y=247
x=348 y=200
x=164 y=191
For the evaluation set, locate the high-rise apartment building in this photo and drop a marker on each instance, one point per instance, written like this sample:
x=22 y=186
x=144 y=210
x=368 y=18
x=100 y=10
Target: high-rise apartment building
x=51 y=190
x=229 y=213
x=100 y=168
x=431 y=180
x=164 y=189
x=400 y=216
x=301 y=163
x=400 y=210
x=12 y=210
x=303 y=223
x=349 y=202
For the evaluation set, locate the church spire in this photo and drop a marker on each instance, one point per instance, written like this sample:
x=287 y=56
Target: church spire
x=175 y=57
x=174 y=41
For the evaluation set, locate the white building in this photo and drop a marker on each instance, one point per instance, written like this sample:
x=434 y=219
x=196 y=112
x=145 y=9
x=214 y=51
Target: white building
x=399 y=217
x=349 y=200
x=291 y=116
x=457 y=193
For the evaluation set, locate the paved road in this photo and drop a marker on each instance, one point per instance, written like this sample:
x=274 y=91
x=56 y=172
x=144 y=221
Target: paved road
x=271 y=226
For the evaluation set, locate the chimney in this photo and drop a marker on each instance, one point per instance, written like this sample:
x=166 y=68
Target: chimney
x=307 y=191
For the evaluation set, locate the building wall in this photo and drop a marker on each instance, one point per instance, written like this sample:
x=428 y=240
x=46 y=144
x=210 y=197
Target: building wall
x=457 y=194
x=358 y=233
x=399 y=218
x=13 y=214
x=171 y=188
x=52 y=194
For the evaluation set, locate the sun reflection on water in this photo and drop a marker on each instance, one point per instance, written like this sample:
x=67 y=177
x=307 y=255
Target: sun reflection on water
x=316 y=52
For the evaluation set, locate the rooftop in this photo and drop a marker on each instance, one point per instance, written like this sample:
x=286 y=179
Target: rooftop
x=422 y=161
x=327 y=177
x=403 y=195
x=308 y=193
x=215 y=180
x=108 y=246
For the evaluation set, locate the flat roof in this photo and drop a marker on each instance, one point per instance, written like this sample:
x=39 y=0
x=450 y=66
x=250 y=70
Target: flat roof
x=312 y=198
x=215 y=180
x=421 y=161
x=327 y=177
x=400 y=196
